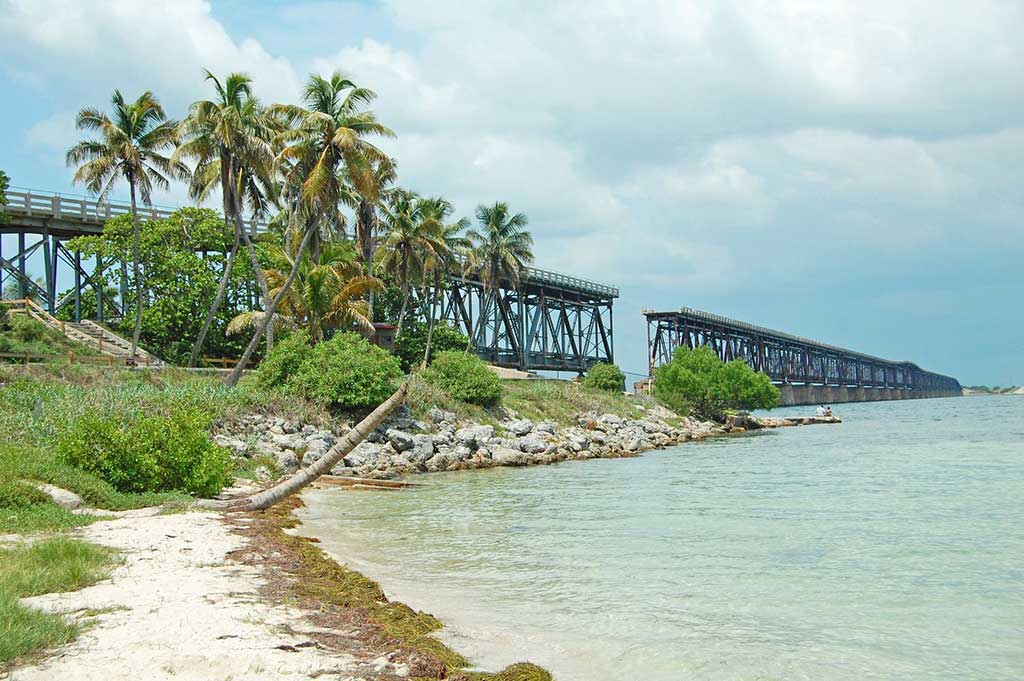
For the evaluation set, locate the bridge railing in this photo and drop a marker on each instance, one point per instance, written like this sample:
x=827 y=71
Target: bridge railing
x=33 y=203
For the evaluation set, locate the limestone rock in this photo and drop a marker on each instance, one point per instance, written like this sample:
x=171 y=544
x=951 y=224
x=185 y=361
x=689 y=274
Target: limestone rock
x=365 y=453
x=401 y=441
x=62 y=497
x=546 y=427
x=474 y=436
x=503 y=456
x=535 y=442
x=287 y=462
x=422 y=448
x=519 y=427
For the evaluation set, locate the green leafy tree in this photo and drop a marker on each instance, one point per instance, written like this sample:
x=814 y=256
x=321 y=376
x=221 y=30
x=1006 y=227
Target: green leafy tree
x=347 y=371
x=178 y=279
x=129 y=147
x=412 y=346
x=230 y=138
x=698 y=380
x=5 y=182
x=606 y=377
x=501 y=251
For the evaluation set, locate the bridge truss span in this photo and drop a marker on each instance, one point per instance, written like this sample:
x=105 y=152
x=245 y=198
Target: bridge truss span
x=785 y=358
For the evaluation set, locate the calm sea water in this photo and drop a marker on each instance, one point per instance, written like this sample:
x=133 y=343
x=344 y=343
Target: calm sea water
x=888 y=547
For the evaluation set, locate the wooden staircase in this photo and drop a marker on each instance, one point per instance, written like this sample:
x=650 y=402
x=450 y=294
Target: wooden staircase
x=87 y=332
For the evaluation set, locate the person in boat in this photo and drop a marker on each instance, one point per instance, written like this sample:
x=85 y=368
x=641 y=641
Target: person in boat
x=828 y=412
x=820 y=411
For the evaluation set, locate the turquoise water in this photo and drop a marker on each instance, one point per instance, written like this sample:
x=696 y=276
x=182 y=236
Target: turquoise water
x=888 y=547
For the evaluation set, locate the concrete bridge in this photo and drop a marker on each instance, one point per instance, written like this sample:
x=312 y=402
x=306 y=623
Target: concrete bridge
x=806 y=371
x=551 y=321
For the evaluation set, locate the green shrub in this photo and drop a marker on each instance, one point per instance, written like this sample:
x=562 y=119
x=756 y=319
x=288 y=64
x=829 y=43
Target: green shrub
x=605 y=377
x=142 y=453
x=28 y=330
x=697 y=379
x=19 y=494
x=347 y=371
x=411 y=345
x=464 y=377
x=284 y=360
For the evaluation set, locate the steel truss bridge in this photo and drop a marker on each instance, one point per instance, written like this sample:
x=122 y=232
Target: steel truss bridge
x=787 y=359
x=550 y=321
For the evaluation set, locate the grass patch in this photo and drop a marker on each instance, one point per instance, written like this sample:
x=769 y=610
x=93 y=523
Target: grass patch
x=25 y=334
x=44 y=517
x=563 y=401
x=52 y=565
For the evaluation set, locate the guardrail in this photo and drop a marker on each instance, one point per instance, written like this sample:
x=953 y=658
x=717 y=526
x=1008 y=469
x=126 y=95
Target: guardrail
x=53 y=205
x=32 y=203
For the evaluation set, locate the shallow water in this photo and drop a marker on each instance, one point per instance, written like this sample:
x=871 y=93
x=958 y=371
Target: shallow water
x=888 y=547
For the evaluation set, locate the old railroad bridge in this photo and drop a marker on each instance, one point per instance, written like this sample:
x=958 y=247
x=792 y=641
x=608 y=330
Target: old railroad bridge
x=806 y=371
x=551 y=321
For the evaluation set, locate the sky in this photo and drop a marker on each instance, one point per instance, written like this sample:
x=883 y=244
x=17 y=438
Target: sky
x=851 y=172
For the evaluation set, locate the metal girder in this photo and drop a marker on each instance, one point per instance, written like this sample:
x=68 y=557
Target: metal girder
x=784 y=357
x=532 y=327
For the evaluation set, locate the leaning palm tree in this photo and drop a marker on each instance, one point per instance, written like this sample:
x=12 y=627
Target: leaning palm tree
x=411 y=240
x=327 y=294
x=450 y=246
x=230 y=140
x=501 y=251
x=129 y=147
x=328 y=135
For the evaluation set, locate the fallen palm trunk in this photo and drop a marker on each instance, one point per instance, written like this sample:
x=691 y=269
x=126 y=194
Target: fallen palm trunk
x=346 y=481
x=309 y=474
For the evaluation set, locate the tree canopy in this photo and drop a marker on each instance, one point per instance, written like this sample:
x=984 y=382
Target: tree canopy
x=697 y=380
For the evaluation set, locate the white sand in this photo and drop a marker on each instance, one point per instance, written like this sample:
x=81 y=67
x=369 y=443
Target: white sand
x=179 y=608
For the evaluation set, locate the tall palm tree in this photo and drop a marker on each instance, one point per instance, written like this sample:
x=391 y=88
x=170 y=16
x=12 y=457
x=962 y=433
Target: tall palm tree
x=129 y=147
x=230 y=139
x=501 y=251
x=450 y=245
x=328 y=293
x=365 y=200
x=328 y=135
x=411 y=241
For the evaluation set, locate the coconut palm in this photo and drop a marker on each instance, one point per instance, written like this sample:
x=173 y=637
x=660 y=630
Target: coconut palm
x=501 y=251
x=328 y=136
x=450 y=245
x=129 y=147
x=410 y=245
x=328 y=293
x=229 y=138
x=365 y=201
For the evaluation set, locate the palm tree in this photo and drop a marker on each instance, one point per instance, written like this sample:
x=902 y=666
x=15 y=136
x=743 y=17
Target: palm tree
x=411 y=241
x=449 y=246
x=328 y=293
x=365 y=200
x=129 y=147
x=501 y=251
x=229 y=138
x=328 y=135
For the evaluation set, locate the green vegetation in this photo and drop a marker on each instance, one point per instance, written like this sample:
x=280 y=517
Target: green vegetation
x=346 y=372
x=992 y=389
x=136 y=452
x=20 y=333
x=51 y=565
x=698 y=380
x=605 y=377
x=411 y=346
x=4 y=183
x=464 y=377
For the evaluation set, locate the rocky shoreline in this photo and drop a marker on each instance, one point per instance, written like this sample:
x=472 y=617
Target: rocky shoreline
x=444 y=442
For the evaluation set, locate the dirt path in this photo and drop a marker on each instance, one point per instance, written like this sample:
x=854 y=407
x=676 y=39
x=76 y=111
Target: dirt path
x=178 y=607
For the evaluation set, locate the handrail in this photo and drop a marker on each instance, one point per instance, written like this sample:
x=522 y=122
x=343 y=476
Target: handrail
x=31 y=203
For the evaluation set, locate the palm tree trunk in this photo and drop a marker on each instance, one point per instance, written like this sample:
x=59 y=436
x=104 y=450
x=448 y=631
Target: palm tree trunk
x=433 y=315
x=271 y=309
x=212 y=312
x=136 y=271
x=257 y=269
x=305 y=476
x=405 y=297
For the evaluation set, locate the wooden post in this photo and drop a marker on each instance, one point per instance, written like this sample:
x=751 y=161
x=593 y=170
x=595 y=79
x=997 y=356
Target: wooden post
x=71 y=358
x=26 y=358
